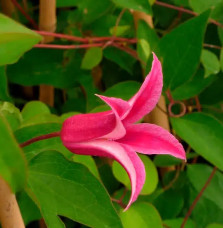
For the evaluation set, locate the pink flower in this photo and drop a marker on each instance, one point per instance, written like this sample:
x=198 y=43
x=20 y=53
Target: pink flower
x=113 y=133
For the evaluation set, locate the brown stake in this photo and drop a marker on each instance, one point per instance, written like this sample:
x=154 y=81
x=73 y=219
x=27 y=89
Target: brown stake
x=47 y=22
x=10 y=216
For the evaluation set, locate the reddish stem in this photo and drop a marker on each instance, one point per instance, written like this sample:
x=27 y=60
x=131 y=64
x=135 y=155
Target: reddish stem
x=57 y=46
x=185 y=11
x=39 y=138
x=85 y=40
x=198 y=104
x=62 y=36
x=128 y=50
x=19 y=7
x=198 y=197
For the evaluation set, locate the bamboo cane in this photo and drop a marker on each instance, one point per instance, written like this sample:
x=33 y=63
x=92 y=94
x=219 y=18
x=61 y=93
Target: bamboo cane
x=10 y=216
x=47 y=22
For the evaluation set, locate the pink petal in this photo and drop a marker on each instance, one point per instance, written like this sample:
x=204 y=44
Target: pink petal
x=148 y=95
x=123 y=154
x=84 y=127
x=119 y=106
x=152 y=139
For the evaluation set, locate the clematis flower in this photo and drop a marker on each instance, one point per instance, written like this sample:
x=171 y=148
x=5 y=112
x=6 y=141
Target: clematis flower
x=115 y=135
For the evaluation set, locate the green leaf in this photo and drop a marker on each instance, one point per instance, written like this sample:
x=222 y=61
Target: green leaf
x=119 y=30
x=200 y=5
x=139 y=5
x=203 y=133
x=42 y=118
x=4 y=95
x=169 y=203
x=221 y=59
x=46 y=66
x=143 y=49
x=30 y=211
x=213 y=94
x=34 y=108
x=61 y=187
x=206 y=211
x=193 y=87
x=147 y=40
x=29 y=132
x=210 y=62
x=92 y=58
x=87 y=161
x=36 y=112
x=66 y=3
x=124 y=60
x=15 y=39
x=166 y=160
x=181 y=50
x=141 y=215
x=151 y=175
x=198 y=175
x=91 y=11
x=176 y=223
x=11 y=114
x=124 y=90
x=12 y=161
x=215 y=226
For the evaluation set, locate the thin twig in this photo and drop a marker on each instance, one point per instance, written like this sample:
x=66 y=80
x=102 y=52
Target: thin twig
x=57 y=46
x=185 y=11
x=212 y=46
x=119 y=202
x=198 y=197
x=63 y=36
x=118 y=21
x=170 y=184
x=198 y=104
x=19 y=7
x=39 y=138
x=86 y=39
x=128 y=50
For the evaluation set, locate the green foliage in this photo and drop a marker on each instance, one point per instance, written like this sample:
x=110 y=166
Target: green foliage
x=147 y=40
x=140 y=5
x=176 y=49
x=151 y=175
x=136 y=216
x=4 y=95
x=198 y=175
x=203 y=133
x=69 y=189
x=210 y=63
x=15 y=39
x=92 y=58
x=12 y=161
x=11 y=114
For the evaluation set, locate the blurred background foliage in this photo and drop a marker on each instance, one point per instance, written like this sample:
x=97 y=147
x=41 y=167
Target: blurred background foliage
x=43 y=85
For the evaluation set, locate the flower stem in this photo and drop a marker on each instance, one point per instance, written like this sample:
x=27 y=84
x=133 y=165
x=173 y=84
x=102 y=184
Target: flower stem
x=39 y=138
x=57 y=46
x=198 y=197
